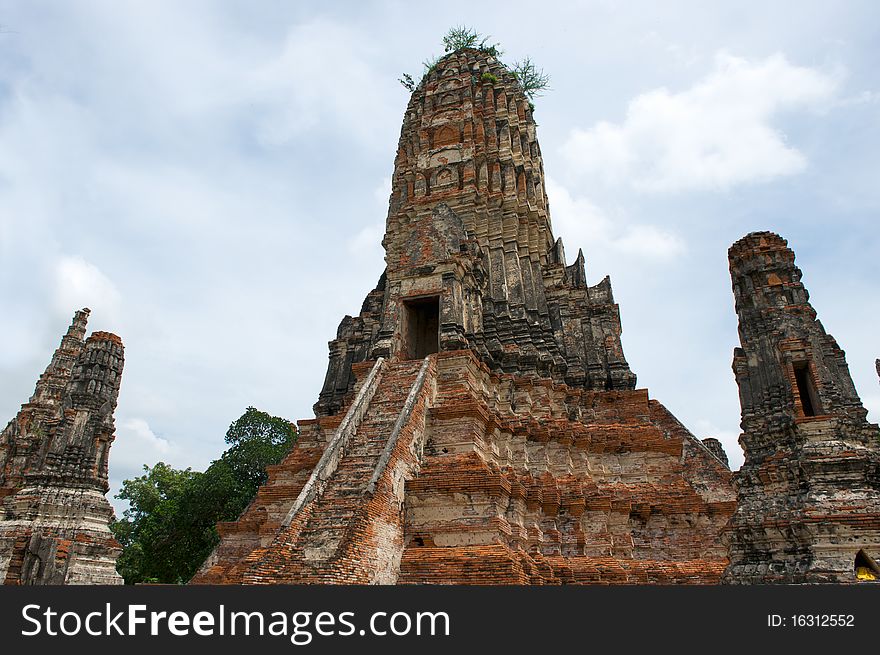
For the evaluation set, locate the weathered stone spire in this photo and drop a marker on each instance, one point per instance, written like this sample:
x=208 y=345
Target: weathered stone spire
x=53 y=380
x=80 y=451
x=788 y=367
x=468 y=238
x=469 y=139
x=809 y=490
x=53 y=468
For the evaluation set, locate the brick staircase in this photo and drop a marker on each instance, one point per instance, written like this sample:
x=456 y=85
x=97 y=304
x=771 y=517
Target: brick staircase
x=261 y=520
x=331 y=489
x=332 y=513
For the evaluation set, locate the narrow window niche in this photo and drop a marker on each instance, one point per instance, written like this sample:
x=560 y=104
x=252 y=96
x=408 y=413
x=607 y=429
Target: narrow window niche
x=807 y=389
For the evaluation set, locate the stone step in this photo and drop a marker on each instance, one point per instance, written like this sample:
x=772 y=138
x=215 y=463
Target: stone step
x=338 y=521
x=350 y=489
x=370 y=449
x=357 y=460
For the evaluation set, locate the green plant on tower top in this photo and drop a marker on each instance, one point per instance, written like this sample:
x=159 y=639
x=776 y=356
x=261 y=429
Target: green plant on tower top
x=532 y=79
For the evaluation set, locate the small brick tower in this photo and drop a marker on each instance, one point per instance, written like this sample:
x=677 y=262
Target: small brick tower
x=478 y=422
x=809 y=490
x=53 y=468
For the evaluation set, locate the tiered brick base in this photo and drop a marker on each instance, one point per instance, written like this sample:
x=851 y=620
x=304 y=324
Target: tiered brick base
x=495 y=479
x=58 y=536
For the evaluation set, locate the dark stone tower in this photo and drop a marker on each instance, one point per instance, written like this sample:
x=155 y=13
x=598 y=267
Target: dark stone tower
x=809 y=490
x=53 y=468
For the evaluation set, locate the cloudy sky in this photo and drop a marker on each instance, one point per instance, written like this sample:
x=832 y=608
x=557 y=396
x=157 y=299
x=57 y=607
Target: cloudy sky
x=211 y=179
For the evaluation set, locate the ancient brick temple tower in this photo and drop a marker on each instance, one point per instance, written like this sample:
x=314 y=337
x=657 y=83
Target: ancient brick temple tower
x=478 y=421
x=53 y=468
x=809 y=491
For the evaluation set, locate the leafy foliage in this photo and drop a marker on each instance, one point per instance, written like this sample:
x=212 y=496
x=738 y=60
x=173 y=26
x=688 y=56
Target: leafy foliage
x=256 y=439
x=170 y=526
x=455 y=39
x=467 y=37
x=408 y=82
x=460 y=37
x=532 y=79
x=429 y=65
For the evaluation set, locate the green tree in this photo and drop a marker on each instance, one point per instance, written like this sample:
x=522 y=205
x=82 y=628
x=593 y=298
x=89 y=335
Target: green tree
x=532 y=79
x=256 y=439
x=170 y=526
x=154 y=526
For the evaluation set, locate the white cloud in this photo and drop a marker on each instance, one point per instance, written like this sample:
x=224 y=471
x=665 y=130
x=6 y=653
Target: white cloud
x=717 y=134
x=861 y=98
x=137 y=445
x=140 y=436
x=871 y=401
x=651 y=241
x=382 y=192
x=582 y=223
x=367 y=243
x=320 y=73
x=81 y=284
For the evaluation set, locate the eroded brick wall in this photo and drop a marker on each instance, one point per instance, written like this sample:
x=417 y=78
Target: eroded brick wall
x=582 y=485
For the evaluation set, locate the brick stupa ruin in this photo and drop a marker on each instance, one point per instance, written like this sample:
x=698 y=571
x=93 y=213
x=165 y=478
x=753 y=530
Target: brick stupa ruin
x=809 y=490
x=54 y=514
x=478 y=422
